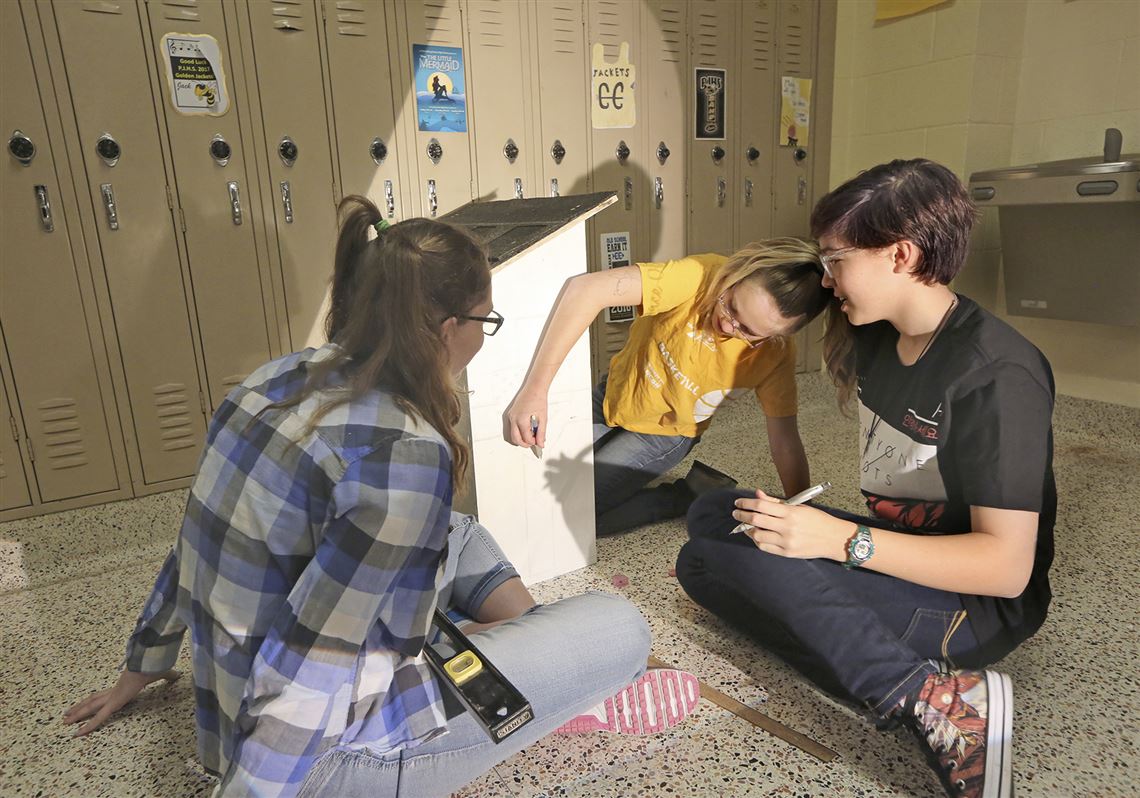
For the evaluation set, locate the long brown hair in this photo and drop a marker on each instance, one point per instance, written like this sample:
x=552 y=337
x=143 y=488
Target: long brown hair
x=787 y=268
x=390 y=296
x=916 y=200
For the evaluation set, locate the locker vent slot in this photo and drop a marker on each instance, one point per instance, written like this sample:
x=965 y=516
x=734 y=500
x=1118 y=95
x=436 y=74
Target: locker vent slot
x=181 y=10
x=708 y=40
x=609 y=31
x=565 y=29
x=792 y=48
x=489 y=27
x=762 y=45
x=614 y=337
x=231 y=382
x=102 y=7
x=173 y=408
x=350 y=18
x=440 y=22
x=672 y=34
x=288 y=13
x=63 y=434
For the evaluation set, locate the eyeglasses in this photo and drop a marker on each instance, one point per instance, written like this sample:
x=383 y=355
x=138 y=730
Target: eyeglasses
x=828 y=260
x=753 y=341
x=491 y=324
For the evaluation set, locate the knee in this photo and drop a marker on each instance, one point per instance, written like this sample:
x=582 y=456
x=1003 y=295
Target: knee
x=711 y=514
x=625 y=628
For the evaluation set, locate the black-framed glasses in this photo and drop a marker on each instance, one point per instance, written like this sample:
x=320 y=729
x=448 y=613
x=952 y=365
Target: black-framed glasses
x=491 y=323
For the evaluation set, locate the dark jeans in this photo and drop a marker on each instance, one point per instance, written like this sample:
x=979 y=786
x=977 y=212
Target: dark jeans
x=857 y=634
x=624 y=463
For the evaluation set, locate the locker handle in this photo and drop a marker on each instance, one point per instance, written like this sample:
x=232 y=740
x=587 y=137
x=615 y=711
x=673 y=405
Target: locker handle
x=45 y=209
x=554 y=186
x=748 y=192
x=287 y=201
x=433 y=200
x=390 y=199
x=629 y=193
x=801 y=190
x=518 y=188
x=658 y=191
x=721 y=191
x=235 y=201
x=108 y=193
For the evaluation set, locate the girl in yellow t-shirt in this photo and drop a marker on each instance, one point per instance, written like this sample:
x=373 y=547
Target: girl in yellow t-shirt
x=709 y=328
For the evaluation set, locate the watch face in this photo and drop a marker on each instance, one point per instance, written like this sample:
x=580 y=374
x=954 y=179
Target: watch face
x=861 y=551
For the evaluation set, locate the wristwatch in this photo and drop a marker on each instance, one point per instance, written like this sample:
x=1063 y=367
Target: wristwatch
x=860 y=547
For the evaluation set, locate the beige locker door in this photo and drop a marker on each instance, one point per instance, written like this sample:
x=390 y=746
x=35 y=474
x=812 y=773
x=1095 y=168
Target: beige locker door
x=791 y=188
x=563 y=86
x=13 y=479
x=356 y=36
x=612 y=23
x=500 y=89
x=664 y=89
x=445 y=183
x=298 y=150
x=712 y=163
x=226 y=281
x=759 y=110
x=114 y=113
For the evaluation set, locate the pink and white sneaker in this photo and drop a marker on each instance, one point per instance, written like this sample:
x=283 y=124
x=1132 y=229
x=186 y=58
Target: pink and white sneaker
x=658 y=700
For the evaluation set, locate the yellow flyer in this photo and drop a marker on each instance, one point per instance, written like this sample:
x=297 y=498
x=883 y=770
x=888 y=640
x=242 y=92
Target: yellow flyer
x=795 y=111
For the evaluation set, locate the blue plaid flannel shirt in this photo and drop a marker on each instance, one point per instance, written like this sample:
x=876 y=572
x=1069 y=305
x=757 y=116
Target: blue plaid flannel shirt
x=307 y=570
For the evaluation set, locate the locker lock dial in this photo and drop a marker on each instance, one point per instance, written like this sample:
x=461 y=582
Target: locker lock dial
x=108 y=149
x=220 y=150
x=378 y=150
x=622 y=152
x=434 y=150
x=21 y=147
x=557 y=151
x=717 y=154
x=511 y=150
x=662 y=153
x=752 y=154
x=287 y=149
x=799 y=154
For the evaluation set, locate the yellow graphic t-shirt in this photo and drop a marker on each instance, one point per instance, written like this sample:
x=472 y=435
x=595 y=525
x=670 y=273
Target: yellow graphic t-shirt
x=670 y=377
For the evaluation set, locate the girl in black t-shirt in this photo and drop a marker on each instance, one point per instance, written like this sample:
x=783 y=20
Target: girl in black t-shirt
x=901 y=610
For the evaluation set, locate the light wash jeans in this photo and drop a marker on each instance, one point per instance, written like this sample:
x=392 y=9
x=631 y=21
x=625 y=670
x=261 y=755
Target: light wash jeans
x=624 y=463
x=563 y=657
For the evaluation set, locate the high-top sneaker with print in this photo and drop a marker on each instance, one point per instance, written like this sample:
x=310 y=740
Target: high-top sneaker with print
x=965 y=720
x=658 y=700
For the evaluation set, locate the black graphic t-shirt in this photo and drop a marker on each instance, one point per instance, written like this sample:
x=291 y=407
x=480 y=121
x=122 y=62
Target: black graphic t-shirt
x=969 y=424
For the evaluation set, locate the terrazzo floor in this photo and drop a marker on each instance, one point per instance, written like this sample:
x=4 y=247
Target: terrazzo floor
x=71 y=585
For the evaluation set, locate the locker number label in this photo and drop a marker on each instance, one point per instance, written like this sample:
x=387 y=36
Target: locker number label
x=612 y=102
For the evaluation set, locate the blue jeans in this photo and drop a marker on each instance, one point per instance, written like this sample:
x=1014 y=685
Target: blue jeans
x=857 y=634
x=564 y=657
x=624 y=463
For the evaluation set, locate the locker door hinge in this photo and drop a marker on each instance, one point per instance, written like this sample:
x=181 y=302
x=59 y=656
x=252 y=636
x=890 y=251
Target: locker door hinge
x=202 y=402
x=15 y=428
x=182 y=220
x=31 y=451
x=169 y=198
x=336 y=194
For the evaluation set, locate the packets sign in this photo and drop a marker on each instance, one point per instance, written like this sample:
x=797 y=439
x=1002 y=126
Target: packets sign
x=194 y=74
x=441 y=96
x=612 y=104
x=709 y=104
x=615 y=253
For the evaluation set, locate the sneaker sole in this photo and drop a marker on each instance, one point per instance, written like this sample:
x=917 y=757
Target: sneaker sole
x=658 y=700
x=999 y=736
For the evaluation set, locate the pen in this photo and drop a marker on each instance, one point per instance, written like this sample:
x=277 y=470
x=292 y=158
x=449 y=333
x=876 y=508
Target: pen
x=799 y=498
x=535 y=448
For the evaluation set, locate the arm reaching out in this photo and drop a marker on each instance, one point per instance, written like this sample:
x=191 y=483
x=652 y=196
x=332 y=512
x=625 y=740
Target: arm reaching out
x=581 y=299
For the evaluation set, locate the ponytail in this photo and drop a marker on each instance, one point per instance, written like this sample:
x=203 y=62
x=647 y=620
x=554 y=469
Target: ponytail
x=390 y=295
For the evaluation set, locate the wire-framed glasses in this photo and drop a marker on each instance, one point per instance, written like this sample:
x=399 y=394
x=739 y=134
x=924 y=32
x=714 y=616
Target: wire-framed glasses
x=828 y=260
x=753 y=341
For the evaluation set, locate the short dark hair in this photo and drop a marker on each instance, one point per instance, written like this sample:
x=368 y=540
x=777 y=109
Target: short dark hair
x=917 y=200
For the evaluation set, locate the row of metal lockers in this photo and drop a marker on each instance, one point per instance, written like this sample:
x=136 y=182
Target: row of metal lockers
x=152 y=256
